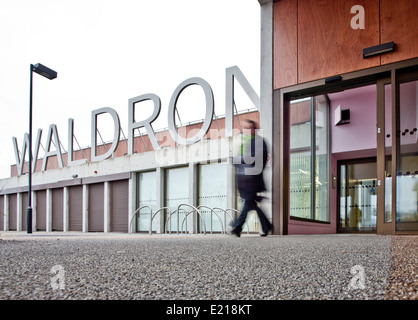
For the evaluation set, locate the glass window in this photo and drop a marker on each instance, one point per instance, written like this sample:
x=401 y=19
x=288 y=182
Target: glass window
x=321 y=159
x=309 y=163
x=407 y=173
x=147 y=197
x=212 y=194
x=300 y=158
x=176 y=193
x=344 y=197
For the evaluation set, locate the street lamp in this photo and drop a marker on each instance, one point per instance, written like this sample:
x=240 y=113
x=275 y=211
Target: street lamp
x=49 y=74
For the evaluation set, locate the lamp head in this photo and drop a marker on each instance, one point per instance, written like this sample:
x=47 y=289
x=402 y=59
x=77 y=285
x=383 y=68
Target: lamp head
x=44 y=71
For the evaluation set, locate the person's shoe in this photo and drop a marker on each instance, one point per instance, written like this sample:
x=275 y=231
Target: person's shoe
x=236 y=232
x=264 y=234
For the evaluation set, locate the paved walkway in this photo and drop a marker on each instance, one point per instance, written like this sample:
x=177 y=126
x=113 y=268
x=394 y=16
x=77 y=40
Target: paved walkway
x=186 y=267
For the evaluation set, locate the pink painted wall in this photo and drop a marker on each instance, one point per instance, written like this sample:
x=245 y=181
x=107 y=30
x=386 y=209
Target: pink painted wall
x=349 y=141
x=360 y=133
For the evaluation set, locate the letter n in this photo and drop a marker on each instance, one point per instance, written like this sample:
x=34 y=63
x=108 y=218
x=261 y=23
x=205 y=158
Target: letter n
x=231 y=74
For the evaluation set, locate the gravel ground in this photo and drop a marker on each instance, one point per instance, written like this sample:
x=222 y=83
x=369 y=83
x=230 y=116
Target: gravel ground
x=75 y=266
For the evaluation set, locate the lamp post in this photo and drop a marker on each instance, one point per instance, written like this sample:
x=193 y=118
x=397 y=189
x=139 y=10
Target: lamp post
x=49 y=74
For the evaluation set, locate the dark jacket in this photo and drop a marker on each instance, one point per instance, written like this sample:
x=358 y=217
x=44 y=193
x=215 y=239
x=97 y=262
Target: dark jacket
x=249 y=168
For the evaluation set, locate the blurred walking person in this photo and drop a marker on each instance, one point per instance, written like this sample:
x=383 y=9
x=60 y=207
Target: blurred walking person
x=249 y=167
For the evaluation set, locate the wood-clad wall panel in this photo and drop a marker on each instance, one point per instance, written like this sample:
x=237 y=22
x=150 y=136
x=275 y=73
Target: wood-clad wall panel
x=399 y=23
x=285 y=43
x=314 y=39
x=327 y=44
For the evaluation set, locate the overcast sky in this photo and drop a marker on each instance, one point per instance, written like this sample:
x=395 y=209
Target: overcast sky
x=107 y=51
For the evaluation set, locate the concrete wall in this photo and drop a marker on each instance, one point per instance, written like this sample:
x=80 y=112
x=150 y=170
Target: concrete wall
x=95 y=178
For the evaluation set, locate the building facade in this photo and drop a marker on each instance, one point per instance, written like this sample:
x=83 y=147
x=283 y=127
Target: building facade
x=345 y=114
x=338 y=107
x=170 y=187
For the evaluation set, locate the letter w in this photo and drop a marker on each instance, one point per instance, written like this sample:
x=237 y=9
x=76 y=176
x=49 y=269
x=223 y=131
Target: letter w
x=20 y=161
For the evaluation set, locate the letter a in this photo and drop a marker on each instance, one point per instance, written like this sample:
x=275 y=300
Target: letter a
x=357 y=22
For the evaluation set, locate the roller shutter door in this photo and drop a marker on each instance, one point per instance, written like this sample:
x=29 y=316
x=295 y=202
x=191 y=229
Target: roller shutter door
x=24 y=205
x=119 y=214
x=75 y=211
x=1 y=213
x=41 y=210
x=13 y=212
x=96 y=207
x=57 y=210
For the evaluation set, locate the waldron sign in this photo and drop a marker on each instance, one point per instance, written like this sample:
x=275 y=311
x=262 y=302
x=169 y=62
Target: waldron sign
x=231 y=74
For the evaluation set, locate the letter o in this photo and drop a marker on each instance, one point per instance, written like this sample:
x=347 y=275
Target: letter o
x=208 y=115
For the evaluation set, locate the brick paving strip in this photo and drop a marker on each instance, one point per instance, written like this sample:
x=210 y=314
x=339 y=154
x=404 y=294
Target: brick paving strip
x=403 y=282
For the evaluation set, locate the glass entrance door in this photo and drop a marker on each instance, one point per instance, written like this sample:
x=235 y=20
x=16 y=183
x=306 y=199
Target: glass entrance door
x=399 y=114
x=407 y=158
x=357 y=196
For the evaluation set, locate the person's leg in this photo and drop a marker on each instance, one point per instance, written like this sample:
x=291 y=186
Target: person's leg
x=265 y=224
x=242 y=217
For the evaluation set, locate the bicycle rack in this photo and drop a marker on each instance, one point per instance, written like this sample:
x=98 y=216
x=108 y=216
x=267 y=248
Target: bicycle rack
x=153 y=216
x=137 y=211
x=219 y=218
x=178 y=216
x=232 y=218
x=169 y=214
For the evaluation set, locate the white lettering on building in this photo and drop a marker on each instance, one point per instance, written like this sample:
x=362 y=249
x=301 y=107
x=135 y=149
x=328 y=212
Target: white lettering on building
x=232 y=73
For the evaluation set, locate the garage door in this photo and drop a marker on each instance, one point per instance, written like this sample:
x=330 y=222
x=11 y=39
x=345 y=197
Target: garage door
x=96 y=207
x=57 y=209
x=75 y=210
x=119 y=206
x=41 y=210
x=1 y=213
x=24 y=204
x=13 y=212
